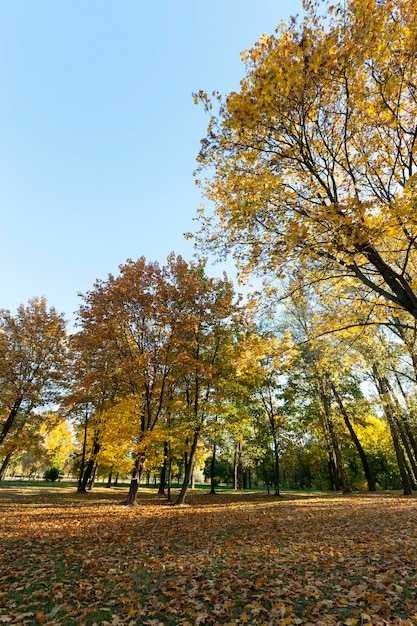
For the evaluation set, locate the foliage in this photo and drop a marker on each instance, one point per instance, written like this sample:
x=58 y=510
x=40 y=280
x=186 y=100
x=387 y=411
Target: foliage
x=58 y=444
x=223 y=470
x=33 y=365
x=311 y=169
x=52 y=474
x=311 y=164
x=153 y=353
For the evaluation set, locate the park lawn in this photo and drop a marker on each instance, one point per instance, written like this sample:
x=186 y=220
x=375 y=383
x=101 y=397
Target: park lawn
x=225 y=559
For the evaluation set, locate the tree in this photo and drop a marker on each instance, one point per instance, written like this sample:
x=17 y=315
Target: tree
x=37 y=444
x=314 y=158
x=263 y=365
x=155 y=339
x=389 y=409
x=33 y=363
x=348 y=423
x=205 y=317
x=333 y=370
x=375 y=434
x=59 y=445
x=126 y=331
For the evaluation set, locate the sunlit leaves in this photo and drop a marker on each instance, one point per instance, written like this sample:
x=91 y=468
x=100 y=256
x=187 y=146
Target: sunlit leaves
x=33 y=363
x=310 y=160
x=154 y=348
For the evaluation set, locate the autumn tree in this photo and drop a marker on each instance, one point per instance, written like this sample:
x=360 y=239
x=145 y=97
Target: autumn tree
x=312 y=162
x=262 y=367
x=59 y=445
x=105 y=436
x=153 y=338
x=205 y=318
x=33 y=365
x=120 y=422
x=374 y=433
x=93 y=389
x=386 y=357
x=124 y=329
x=45 y=443
x=330 y=370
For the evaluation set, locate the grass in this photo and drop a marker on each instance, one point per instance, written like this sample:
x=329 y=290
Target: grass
x=232 y=558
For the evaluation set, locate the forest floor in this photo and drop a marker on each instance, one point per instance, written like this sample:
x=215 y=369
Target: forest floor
x=232 y=558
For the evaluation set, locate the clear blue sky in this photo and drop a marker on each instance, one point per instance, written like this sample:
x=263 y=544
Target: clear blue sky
x=99 y=133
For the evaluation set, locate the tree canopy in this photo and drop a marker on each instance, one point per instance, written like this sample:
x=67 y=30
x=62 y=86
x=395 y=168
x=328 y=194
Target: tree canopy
x=312 y=163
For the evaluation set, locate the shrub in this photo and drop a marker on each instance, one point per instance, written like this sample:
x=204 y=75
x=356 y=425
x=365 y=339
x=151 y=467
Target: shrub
x=52 y=474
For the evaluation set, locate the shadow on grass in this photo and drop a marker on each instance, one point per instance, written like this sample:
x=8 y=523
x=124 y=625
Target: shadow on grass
x=47 y=494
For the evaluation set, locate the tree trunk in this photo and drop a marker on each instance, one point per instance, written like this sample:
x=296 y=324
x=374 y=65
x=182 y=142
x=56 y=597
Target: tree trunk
x=338 y=456
x=189 y=468
x=276 y=468
x=411 y=412
x=83 y=455
x=404 y=439
x=169 y=496
x=364 y=460
x=334 y=478
x=163 y=475
x=5 y=465
x=109 y=479
x=10 y=420
x=340 y=464
x=133 y=490
x=401 y=424
x=410 y=435
x=273 y=427
x=212 y=472
x=236 y=466
x=240 y=473
x=88 y=472
x=82 y=488
x=93 y=477
x=134 y=483
x=86 y=476
x=383 y=389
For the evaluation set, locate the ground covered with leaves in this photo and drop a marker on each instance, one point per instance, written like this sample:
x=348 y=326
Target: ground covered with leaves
x=226 y=559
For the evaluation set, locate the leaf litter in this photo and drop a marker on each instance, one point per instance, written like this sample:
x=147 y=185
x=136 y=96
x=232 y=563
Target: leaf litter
x=229 y=559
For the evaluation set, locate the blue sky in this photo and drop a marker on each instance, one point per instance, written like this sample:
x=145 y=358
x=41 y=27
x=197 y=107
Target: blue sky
x=99 y=133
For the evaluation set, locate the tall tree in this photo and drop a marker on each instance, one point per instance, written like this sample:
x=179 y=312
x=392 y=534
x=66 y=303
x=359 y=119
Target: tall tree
x=263 y=366
x=152 y=338
x=312 y=163
x=33 y=362
x=389 y=409
x=205 y=321
x=125 y=327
